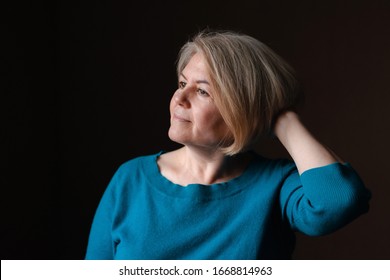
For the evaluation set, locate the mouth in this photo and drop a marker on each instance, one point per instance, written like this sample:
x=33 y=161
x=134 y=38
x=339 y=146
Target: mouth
x=179 y=118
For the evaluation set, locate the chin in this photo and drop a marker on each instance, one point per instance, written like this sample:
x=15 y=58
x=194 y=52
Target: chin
x=176 y=137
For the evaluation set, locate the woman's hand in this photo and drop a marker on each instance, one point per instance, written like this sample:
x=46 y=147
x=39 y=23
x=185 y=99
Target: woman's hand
x=306 y=151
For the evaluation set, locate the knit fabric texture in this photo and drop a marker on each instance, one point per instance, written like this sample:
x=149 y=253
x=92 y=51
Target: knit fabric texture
x=142 y=215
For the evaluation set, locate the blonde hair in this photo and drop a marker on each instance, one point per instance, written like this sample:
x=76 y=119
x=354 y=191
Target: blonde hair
x=252 y=83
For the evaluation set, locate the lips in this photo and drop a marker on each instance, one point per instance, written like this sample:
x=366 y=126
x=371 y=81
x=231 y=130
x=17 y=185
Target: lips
x=179 y=118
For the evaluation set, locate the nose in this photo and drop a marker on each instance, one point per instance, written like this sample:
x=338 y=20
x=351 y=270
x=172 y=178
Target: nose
x=181 y=97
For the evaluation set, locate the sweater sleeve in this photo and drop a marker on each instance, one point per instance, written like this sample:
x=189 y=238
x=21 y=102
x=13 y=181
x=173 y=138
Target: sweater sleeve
x=323 y=199
x=101 y=244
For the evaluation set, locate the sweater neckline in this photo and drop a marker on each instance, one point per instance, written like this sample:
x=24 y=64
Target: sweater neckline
x=199 y=192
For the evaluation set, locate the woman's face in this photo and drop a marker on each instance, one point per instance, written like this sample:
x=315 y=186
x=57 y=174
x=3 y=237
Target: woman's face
x=195 y=120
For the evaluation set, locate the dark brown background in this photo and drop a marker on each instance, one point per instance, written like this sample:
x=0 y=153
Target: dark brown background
x=86 y=87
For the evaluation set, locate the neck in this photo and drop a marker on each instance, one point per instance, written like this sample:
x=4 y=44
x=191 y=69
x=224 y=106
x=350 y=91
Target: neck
x=209 y=167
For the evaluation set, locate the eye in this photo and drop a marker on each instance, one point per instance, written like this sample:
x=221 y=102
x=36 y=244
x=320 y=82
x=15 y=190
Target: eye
x=182 y=84
x=203 y=92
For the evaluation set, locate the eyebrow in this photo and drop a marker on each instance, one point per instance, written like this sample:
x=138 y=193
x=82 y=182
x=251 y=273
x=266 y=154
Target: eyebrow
x=197 y=81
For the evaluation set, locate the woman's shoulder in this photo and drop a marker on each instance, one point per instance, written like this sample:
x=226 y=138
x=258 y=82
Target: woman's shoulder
x=273 y=164
x=138 y=163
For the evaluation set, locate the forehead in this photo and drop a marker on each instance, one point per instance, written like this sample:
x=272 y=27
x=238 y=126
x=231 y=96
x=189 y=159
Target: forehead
x=197 y=65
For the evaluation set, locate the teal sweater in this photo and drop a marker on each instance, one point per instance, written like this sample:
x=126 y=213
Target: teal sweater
x=142 y=215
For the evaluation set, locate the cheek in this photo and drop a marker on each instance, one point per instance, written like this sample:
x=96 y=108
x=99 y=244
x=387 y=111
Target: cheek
x=212 y=121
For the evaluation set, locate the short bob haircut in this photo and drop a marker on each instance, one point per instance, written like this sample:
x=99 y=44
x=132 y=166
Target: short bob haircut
x=252 y=84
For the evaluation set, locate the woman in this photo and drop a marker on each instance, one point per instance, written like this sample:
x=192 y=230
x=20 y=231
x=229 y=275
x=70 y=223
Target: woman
x=215 y=198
